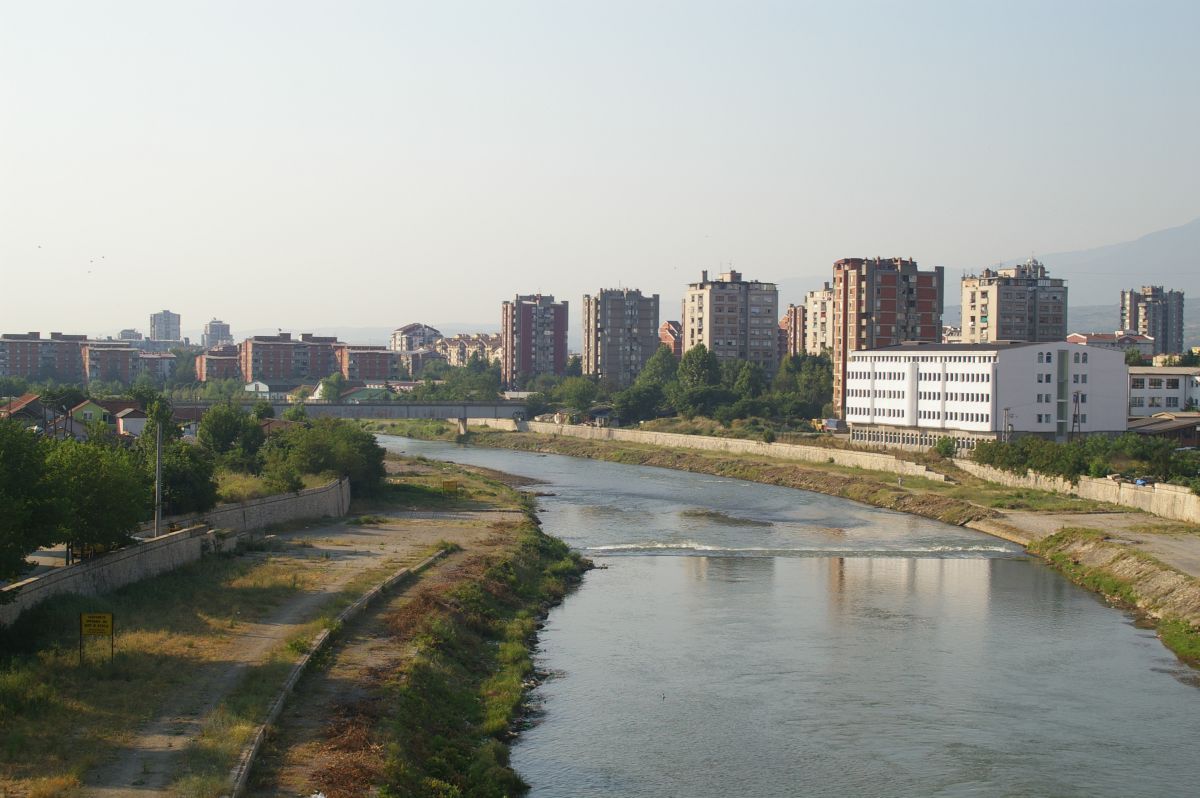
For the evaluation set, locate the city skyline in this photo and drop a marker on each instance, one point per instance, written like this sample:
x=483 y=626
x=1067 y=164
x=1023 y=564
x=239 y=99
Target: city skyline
x=387 y=153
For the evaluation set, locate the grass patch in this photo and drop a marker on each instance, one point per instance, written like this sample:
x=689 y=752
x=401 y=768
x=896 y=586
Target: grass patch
x=234 y=487
x=169 y=630
x=367 y=520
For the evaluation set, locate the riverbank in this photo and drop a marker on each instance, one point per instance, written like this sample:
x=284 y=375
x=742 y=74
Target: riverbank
x=235 y=624
x=1164 y=594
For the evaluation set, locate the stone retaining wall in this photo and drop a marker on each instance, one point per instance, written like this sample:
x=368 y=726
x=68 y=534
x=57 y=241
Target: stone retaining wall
x=331 y=500
x=873 y=461
x=217 y=530
x=111 y=571
x=1169 y=501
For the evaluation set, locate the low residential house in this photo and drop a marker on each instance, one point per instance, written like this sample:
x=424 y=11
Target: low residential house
x=271 y=426
x=131 y=421
x=1121 y=339
x=27 y=408
x=1168 y=389
x=1182 y=428
x=271 y=392
x=365 y=394
x=105 y=410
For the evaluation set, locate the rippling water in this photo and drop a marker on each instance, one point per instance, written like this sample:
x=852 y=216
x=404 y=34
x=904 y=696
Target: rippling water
x=751 y=640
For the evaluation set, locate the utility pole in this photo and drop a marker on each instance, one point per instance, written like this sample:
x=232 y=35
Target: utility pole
x=1007 y=426
x=157 y=476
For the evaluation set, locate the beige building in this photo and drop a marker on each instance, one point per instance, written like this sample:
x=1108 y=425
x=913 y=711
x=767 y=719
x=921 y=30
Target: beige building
x=734 y=318
x=1016 y=303
x=620 y=333
x=818 y=320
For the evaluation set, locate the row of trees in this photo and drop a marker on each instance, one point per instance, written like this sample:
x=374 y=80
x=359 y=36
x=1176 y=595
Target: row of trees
x=1095 y=456
x=237 y=442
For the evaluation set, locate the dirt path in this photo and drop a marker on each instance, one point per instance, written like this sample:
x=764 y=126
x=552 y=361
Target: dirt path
x=335 y=554
x=1175 y=544
x=325 y=740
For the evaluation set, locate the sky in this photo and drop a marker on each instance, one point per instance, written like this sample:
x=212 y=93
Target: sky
x=313 y=164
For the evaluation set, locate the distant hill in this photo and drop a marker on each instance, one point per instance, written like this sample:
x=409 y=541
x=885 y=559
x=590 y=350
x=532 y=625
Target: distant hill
x=1169 y=258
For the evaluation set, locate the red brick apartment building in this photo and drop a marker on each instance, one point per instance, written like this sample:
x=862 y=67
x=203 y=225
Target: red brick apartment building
x=534 y=330
x=219 y=363
x=881 y=302
x=368 y=363
x=283 y=358
x=29 y=355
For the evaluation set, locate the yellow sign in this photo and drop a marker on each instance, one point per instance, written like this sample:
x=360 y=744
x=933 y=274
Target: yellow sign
x=96 y=624
x=450 y=486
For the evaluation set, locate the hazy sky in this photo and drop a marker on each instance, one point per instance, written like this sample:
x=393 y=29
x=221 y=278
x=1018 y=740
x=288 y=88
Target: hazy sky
x=302 y=164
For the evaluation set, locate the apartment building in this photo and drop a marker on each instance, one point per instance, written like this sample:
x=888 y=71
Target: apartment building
x=818 y=320
x=533 y=329
x=1156 y=313
x=111 y=361
x=911 y=395
x=412 y=337
x=670 y=335
x=879 y=303
x=216 y=333
x=620 y=333
x=459 y=349
x=275 y=358
x=218 y=363
x=1162 y=389
x=1014 y=303
x=164 y=326
x=29 y=355
x=792 y=326
x=367 y=363
x=735 y=319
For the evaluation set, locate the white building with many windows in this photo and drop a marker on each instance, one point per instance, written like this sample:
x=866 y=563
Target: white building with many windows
x=1155 y=389
x=913 y=394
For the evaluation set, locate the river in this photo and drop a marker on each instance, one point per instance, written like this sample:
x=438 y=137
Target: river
x=752 y=640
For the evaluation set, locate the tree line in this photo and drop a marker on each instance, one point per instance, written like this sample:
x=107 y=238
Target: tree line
x=93 y=495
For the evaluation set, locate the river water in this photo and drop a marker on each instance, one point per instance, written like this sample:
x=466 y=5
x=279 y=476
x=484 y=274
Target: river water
x=752 y=640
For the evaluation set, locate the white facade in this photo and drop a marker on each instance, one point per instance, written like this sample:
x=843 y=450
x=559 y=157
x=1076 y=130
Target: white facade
x=818 y=321
x=914 y=394
x=1158 y=390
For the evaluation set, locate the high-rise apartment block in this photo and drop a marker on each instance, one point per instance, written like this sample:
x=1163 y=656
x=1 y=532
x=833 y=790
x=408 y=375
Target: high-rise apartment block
x=620 y=333
x=534 y=330
x=1015 y=303
x=818 y=320
x=164 y=326
x=792 y=327
x=1156 y=313
x=216 y=333
x=734 y=318
x=881 y=302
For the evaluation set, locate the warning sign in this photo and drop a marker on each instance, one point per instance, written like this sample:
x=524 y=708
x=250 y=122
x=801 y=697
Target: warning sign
x=450 y=486
x=96 y=624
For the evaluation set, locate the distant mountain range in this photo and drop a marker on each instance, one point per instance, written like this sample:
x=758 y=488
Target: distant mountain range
x=1170 y=258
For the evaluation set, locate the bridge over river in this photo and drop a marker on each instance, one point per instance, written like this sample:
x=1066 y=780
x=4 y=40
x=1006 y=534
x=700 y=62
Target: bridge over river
x=456 y=411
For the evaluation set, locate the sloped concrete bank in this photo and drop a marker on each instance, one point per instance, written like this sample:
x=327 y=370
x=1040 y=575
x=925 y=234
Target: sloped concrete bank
x=1130 y=579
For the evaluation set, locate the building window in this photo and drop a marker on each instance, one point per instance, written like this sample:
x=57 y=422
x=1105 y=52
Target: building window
x=1137 y=383
x=1172 y=401
x=1173 y=383
x=1041 y=359
x=1137 y=401
x=1156 y=383
x=1076 y=357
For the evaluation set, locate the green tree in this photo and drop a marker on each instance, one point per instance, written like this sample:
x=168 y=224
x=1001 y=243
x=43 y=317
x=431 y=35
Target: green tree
x=1133 y=357
x=699 y=368
x=574 y=367
x=29 y=508
x=659 y=369
x=262 y=410
x=639 y=402
x=296 y=412
x=333 y=386
x=751 y=381
x=188 y=478
x=105 y=494
x=221 y=427
x=576 y=392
